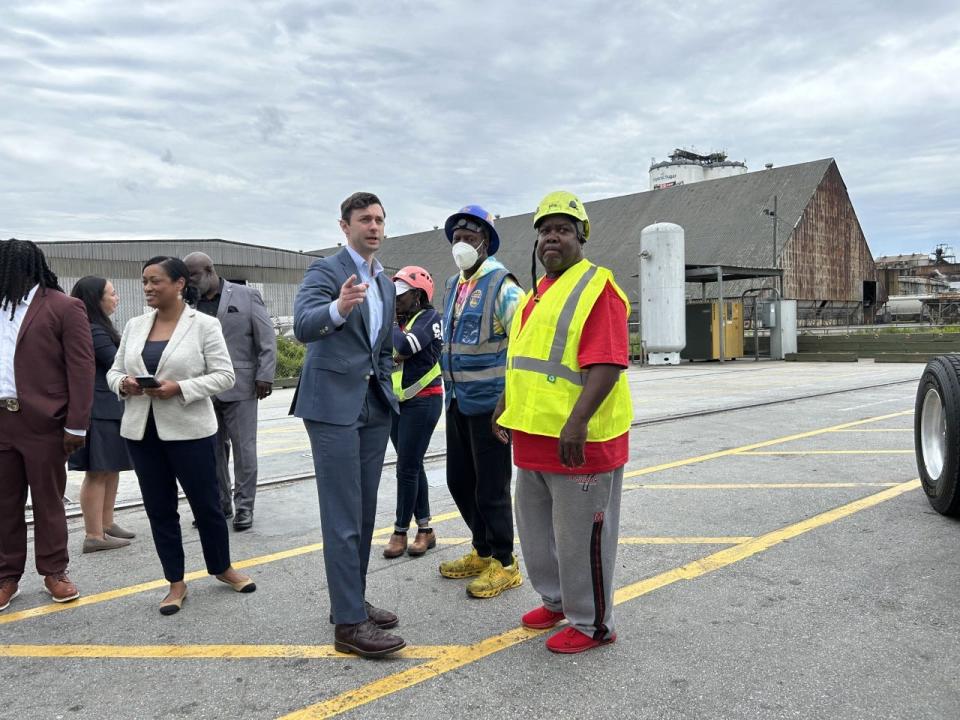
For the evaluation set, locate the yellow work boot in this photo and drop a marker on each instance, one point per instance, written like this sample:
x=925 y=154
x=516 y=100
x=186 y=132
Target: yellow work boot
x=469 y=565
x=495 y=579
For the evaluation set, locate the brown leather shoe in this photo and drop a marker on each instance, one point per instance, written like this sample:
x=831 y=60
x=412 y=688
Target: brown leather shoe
x=425 y=540
x=396 y=547
x=383 y=619
x=60 y=588
x=9 y=589
x=366 y=640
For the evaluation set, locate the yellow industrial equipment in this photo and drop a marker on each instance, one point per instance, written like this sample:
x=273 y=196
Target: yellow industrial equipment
x=703 y=330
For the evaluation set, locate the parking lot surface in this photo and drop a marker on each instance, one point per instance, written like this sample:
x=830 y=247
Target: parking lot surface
x=777 y=559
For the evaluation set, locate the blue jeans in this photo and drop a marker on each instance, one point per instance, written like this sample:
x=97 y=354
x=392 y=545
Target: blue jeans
x=410 y=433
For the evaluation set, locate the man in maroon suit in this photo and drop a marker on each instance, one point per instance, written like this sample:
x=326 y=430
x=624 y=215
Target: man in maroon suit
x=46 y=390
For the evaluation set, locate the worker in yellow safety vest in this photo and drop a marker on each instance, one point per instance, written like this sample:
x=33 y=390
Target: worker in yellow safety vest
x=567 y=406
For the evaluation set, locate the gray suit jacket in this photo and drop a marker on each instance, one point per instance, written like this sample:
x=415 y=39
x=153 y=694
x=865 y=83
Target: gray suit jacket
x=250 y=337
x=339 y=361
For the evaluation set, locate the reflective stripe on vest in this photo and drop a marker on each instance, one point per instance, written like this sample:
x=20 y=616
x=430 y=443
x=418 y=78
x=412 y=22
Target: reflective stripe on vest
x=406 y=393
x=554 y=367
x=474 y=375
x=491 y=347
x=544 y=380
x=552 y=370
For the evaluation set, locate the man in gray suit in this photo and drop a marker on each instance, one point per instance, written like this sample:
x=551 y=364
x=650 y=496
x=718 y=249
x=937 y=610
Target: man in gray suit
x=344 y=313
x=252 y=343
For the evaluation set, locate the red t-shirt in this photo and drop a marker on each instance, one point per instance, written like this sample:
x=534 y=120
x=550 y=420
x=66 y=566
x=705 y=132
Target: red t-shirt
x=603 y=341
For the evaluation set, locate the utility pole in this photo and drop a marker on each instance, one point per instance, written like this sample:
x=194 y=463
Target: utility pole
x=778 y=282
x=776 y=258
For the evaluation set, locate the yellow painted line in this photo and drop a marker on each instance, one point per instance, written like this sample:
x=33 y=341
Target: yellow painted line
x=211 y=652
x=412 y=676
x=754 y=486
x=453 y=515
x=769 y=453
x=93 y=599
x=684 y=540
x=407 y=678
x=763 y=444
x=86 y=600
x=641 y=540
x=155 y=584
x=728 y=556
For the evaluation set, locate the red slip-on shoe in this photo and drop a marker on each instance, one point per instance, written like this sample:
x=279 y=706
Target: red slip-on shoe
x=541 y=618
x=570 y=640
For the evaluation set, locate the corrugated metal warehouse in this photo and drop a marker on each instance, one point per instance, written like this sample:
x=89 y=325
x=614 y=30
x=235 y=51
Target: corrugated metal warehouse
x=276 y=273
x=820 y=247
x=820 y=250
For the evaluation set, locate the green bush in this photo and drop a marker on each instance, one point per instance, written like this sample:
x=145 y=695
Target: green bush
x=290 y=356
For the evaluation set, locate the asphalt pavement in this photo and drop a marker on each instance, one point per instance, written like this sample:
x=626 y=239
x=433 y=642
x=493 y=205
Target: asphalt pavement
x=777 y=560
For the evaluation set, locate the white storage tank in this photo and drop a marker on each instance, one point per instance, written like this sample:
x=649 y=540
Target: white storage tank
x=726 y=168
x=663 y=330
x=671 y=173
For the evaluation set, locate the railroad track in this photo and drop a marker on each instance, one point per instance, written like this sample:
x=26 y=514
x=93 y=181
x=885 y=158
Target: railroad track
x=73 y=509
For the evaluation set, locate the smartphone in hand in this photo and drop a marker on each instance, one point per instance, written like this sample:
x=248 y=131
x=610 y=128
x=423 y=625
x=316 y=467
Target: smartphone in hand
x=147 y=381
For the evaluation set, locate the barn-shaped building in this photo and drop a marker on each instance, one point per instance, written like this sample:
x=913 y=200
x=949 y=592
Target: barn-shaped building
x=796 y=220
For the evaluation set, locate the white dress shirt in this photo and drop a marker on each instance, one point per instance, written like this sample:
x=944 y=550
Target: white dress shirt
x=9 y=332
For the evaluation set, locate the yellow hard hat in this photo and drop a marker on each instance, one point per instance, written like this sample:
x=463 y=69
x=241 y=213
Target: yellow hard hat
x=561 y=202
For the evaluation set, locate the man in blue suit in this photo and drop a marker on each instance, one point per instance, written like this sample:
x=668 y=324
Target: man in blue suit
x=344 y=313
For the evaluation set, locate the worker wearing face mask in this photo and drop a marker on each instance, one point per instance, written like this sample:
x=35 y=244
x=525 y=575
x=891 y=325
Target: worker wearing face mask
x=479 y=305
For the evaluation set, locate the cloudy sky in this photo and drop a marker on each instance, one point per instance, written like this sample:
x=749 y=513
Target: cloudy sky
x=251 y=120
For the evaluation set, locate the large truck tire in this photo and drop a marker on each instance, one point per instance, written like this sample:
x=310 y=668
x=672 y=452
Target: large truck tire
x=936 y=433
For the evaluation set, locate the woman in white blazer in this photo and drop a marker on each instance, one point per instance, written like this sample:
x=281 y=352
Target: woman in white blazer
x=171 y=427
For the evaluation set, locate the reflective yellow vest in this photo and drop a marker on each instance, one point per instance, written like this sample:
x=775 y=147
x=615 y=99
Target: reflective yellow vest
x=544 y=379
x=405 y=393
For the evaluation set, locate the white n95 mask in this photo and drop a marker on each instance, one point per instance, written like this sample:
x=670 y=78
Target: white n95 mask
x=465 y=255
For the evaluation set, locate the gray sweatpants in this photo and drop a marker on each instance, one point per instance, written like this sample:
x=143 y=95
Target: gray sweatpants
x=569 y=527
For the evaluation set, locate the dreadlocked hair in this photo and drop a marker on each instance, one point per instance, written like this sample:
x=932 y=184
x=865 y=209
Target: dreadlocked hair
x=22 y=265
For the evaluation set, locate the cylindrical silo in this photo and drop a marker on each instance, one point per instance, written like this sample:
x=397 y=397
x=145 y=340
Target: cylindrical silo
x=663 y=328
x=674 y=172
x=725 y=168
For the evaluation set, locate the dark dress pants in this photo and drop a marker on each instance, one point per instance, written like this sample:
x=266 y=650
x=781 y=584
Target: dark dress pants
x=479 y=468
x=410 y=433
x=159 y=464
x=38 y=462
x=348 y=461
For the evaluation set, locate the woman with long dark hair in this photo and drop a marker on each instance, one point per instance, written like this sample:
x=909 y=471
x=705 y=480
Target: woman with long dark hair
x=171 y=362
x=105 y=454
